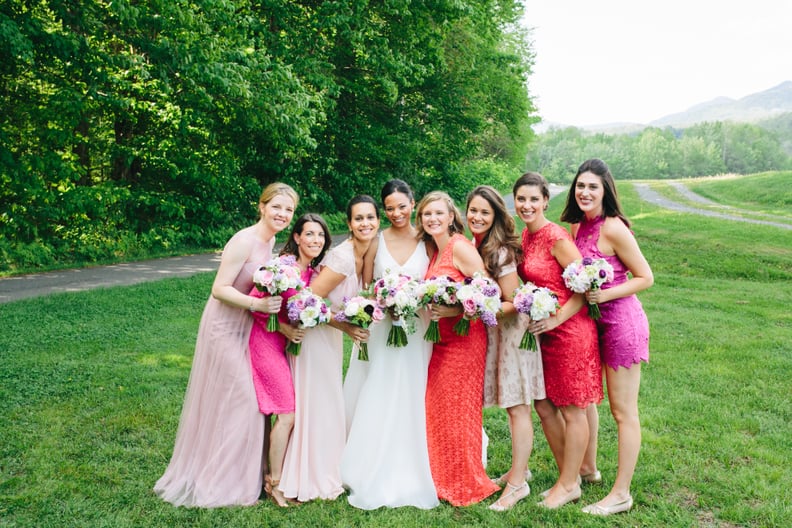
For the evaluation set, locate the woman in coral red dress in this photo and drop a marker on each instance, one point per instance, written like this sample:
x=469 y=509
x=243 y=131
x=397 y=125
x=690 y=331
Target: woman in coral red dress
x=568 y=340
x=455 y=382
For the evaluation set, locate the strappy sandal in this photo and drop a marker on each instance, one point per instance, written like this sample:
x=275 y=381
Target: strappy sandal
x=517 y=492
x=271 y=488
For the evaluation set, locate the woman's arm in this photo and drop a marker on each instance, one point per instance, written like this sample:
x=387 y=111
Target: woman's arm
x=618 y=239
x=234 y=256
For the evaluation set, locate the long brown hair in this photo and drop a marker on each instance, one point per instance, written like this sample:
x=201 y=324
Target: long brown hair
x=610 y=200
x=501 y=235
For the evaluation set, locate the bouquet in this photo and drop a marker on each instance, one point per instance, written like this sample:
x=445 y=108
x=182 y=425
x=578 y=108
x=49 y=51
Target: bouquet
x=397 y=294
x=305 y=309
x=360 y=311
x=588 y=274
x=275 y=277
x=480 y=297
x=437 y=290
x=537 y=303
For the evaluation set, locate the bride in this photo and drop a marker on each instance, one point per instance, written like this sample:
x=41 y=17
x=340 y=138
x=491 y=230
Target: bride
x=386 y=461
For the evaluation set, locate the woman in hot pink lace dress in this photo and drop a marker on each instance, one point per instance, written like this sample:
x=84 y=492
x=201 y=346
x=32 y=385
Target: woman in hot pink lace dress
x=602 y=231
x=568 y=339
x=272 y=373
x=218 y=457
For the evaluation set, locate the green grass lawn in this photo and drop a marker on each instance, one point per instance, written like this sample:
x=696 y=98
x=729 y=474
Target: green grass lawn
x=91 y=386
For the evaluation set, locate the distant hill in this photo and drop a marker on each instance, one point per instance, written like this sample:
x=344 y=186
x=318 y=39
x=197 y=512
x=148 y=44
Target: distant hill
x=752 y=108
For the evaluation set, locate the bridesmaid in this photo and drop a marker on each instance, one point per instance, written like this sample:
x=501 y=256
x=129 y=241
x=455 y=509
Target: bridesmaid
x=513 y=378
x=272 y=377
x=311 y=469
x=385 y=461
x=601 y=230
x=218 y=459
x=570 y=356
x=455 y=382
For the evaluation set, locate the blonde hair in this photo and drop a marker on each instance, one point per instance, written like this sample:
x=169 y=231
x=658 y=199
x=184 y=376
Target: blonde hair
x=456 y=225
x=277 y=188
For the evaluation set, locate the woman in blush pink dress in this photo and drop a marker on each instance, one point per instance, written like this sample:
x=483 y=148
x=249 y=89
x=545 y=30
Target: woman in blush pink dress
x=272 y=376
x=455 y=380
x=311 y=469
x=602 y=231
x=568 y=340
x=218 y=457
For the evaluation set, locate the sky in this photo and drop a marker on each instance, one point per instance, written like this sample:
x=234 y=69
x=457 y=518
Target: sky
x=609 y=61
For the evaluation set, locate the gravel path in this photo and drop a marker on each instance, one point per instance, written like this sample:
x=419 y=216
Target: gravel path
x=648 y=195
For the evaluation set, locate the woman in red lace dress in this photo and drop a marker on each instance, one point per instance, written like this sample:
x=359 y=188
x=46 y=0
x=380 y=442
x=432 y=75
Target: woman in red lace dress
x=568 y=340
x=455 y=381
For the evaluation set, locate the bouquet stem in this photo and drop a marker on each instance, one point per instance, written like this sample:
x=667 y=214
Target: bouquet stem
x=528 y=342
x=462 y=328
x=432 y=332
x=363 y=352
x=293 y=348
x=397 y=337
x=594 y=311
x=272 y=323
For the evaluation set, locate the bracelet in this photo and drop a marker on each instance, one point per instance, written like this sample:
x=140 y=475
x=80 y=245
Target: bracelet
x=250 y=308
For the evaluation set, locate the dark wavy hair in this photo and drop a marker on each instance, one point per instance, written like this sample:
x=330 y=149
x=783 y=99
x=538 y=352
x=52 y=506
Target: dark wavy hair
x=502 y=233
x=610 y=199
x=291 y=248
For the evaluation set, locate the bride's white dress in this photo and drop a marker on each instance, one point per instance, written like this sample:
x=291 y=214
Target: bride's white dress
x=386 y=461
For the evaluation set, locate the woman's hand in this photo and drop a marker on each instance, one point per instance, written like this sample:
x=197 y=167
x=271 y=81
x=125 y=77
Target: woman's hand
x=596 y=296
x=543 y=325
x=358 y=334
x=438 y=311
x=295 y=334
x=266 y=304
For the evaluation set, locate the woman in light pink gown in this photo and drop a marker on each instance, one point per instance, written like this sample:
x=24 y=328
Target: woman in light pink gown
x=312 y=466
x=218 y=456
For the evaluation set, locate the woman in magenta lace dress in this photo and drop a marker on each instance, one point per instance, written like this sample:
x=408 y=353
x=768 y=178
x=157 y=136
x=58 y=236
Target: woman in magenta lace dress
x=455 y=380
x=218 y=457
x=568 y=340
x=602 y=231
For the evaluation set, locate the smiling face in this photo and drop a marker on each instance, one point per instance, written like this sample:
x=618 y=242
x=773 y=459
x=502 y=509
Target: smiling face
x=530 y=204
x=480 y=216
x=310 y=241
x=436 y=219
x=398 y=209
x=277 y=214
x=589 y=193
x=364 y=221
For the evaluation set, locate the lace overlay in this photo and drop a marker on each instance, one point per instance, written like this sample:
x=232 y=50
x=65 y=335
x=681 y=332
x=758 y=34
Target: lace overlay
x=570 y=355
x=454 y=395
x=513 y=376
x=623 y=328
